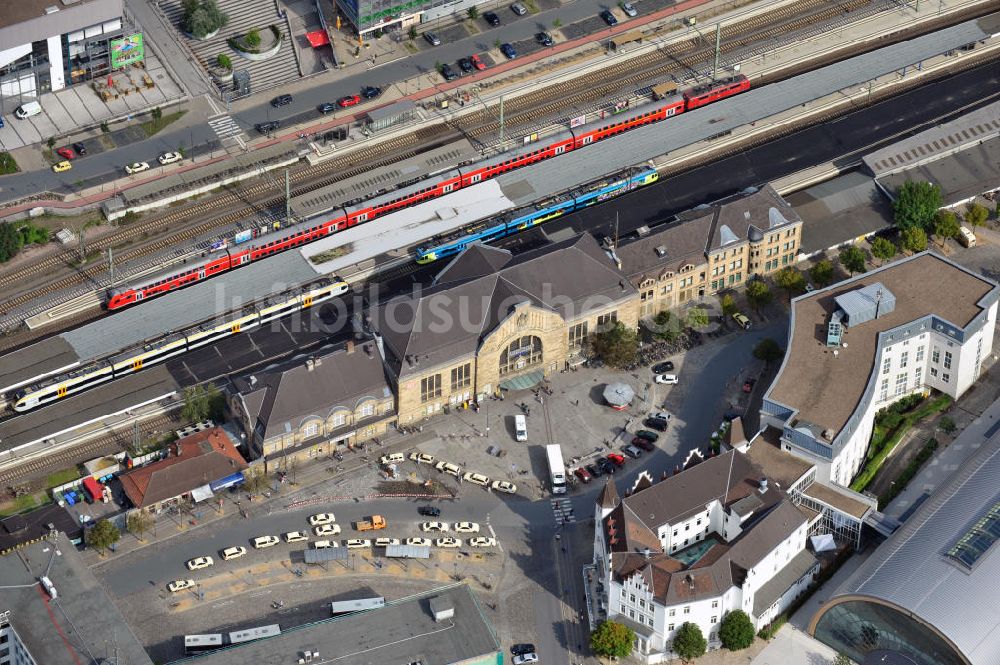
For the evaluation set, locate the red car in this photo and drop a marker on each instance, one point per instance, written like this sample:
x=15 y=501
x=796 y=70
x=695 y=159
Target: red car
x=617 y=459
x=477 y=62
x=66 y=153
x=582 y=474
x=748 y=385
x=350 y=100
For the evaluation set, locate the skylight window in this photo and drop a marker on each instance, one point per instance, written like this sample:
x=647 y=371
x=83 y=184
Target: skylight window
x=975 y=542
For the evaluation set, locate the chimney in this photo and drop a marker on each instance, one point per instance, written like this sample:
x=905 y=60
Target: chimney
x=253 y=380
x=762 y=484
x=309 y=365
x=350 y=346
x=409 y=361
x=369 y=350
x=645 y=553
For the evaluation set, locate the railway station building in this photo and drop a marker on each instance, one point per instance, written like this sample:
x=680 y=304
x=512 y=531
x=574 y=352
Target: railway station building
x=308 y=407
x=492 y=322
x=712 y=248
x=855 y=347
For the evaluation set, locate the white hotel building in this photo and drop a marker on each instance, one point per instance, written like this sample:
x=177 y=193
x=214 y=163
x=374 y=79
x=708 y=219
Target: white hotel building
x=854 y=348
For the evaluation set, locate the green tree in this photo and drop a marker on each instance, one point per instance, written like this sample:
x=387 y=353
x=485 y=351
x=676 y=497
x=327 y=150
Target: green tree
x=758 y=294
x=883 y=249
x=202 y=17
x=10 y=241
x=556 y=23
x=254 y=480
x=790 y=279
x=612 y=640
x=852 y=258
x=665 y=326
x=224 y=61
x=736 y=631
x=618 y=346
x=103 y=535
x=412 y=32
x=945 y=225
x=157 y=113
x=768 y=350
x=914 y=239
x=252 y=39
x=916 y=204
x=196 y=404
x=976 y=215
x=822 y=272
x=947 y=425
x=51 y=142
x=473 y=12
x=842 y=659
x=728 y=304
x=697 y=317
x=138 y=523
x=689 y=643
x=190 y=6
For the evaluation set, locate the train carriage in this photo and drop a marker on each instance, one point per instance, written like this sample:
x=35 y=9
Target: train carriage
x=433 y=187
x=515 y=158
x=715 y=90
x=644 y=114
x=133 y=360
x=168 y=279
x=55 y=388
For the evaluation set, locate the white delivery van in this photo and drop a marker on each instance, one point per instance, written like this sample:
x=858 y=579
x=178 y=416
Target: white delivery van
x=966 y=236
x=27 y=110
x=520 y=428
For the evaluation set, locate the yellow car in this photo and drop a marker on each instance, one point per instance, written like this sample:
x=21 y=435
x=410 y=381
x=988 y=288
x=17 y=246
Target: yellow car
x=62 y=166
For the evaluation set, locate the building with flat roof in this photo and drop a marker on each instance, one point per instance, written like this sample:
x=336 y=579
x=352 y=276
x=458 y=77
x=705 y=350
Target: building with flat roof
x=76 y=622
x=920 y=323
x=46 y=45
x=712 y=248
x=307 y=407
x=444 y=626
x=928 y=593
x=718 y=536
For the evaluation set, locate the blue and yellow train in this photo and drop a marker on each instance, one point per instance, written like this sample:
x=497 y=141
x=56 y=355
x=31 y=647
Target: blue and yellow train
x=526 y=218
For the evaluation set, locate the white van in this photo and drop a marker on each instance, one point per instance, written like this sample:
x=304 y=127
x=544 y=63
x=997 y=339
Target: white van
x=520 y=427
x=27 y=110
x=966 y=236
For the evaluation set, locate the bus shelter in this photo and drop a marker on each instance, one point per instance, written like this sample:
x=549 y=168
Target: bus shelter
x=390 y=115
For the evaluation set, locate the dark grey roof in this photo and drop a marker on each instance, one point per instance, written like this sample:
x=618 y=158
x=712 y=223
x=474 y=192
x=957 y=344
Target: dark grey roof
x=775 y=588
x=960 y=175
x=667 y=249
x=84 y=623
x=19 y=530
x=739 y=215
x=838 y=210
x=401 y=632
x=448 y=321
x=476 y=261
x=280 y=398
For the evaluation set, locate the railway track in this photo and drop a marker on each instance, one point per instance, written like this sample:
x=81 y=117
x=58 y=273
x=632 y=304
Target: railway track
x=671 y=61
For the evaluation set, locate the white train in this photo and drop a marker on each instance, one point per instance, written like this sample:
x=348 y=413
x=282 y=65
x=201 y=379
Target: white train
x=82 y=378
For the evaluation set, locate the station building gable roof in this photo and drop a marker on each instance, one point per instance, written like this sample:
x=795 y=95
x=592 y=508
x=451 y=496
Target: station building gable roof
x=278 y=399
x=197 y=459
x=450 y=319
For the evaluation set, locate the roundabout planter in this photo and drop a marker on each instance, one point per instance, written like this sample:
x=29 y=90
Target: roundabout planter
x=202 y=39
x=222 y=76
x=270 y=44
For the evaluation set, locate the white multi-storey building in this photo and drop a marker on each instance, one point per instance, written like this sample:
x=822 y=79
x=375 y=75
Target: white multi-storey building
x=714 y=538
x=854 y=348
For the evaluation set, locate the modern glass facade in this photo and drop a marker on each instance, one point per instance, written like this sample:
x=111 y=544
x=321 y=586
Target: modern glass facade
x=859 y=627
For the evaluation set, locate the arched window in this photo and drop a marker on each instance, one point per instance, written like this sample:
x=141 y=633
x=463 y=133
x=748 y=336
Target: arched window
x=521 y=353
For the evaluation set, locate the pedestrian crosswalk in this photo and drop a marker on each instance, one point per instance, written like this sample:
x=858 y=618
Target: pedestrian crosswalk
x=224 y=126
x=563 y=511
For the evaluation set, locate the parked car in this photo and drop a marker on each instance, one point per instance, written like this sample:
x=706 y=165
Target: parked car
x=608 y=17
x=434 y=526
x=66 y=153
x=645 y=444
x=742 y=321
x=649 y=436
x=169 y=158
x=326 y=107
x=582 y=474
x=80 y=148
x=492 y=19
x=233 y=553
x=348 y=100
x=662 y=415
x=392 y=458
x=296 y=536
x=629 y=9
x=200 y=562
x=519 y=9
x=594 y=470
x=508 y=51
x=260 y=542
x=322 y=518
x=61 y=167
x=656 y=423
x=357 y=543
x=281 y=100
x=664 y=367
x=617 y=459
x=419 y=542
x=448 y=73
x=136 y=167
x=180 y=585
x=449 y=468
x=324 y=544
x=465 y=65
x=748 y=385
x=421 y=458
x=525 y=659
x=267 y=127
x=632 y=451
x=327 y=530
x=545 y=39
x=385 y=542
x=429 y=511
x=466 y=527
x=477 y=62
x=520 y=649
x=482 y=541
x=448 y=542
x=606 y=465
x=668 y=379
x=371 y=91
x=476 y=479
x=432 y=39
x=504 y=486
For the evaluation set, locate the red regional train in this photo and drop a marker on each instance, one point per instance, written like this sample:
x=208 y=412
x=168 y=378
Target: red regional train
x=429 y=188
